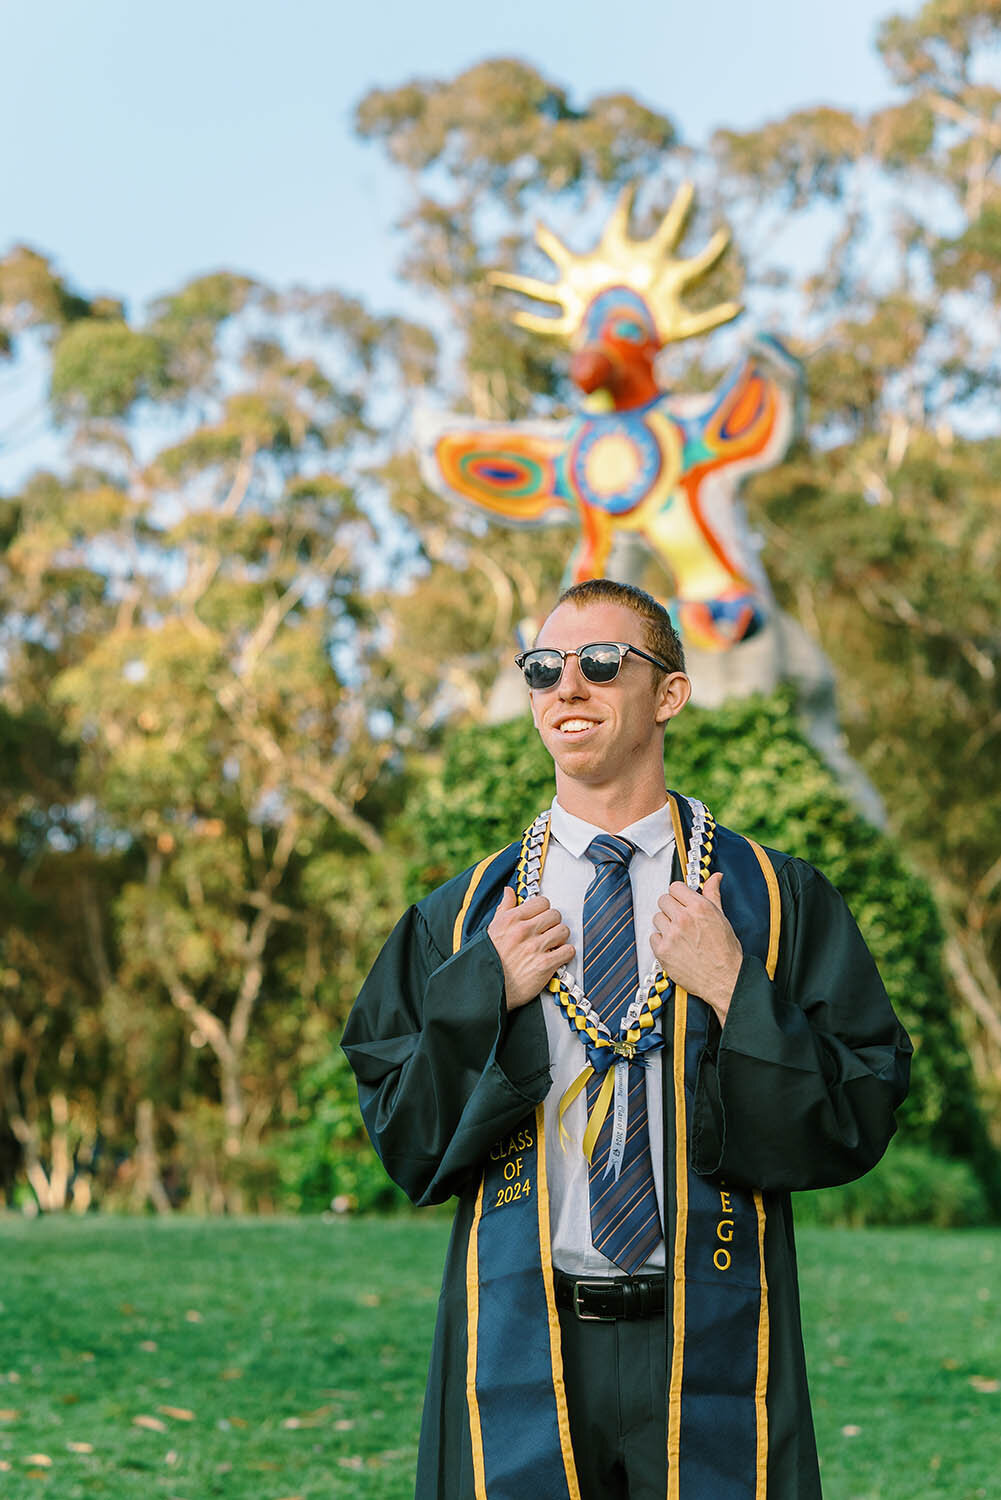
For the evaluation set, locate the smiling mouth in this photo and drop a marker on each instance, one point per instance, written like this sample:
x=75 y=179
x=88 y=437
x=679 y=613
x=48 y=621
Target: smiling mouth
x=575 y=726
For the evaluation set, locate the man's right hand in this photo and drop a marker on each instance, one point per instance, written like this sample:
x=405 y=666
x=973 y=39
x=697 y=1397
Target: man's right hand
x=531 y=942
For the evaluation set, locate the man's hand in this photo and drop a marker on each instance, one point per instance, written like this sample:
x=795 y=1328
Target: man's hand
x=695 y=945
x=531 y=941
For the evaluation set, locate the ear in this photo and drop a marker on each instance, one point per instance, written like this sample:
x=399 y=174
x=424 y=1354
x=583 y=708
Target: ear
x=672 y=695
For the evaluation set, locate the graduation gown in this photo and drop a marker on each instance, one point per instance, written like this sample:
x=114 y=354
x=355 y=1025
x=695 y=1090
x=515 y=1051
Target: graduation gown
x=797 y=1091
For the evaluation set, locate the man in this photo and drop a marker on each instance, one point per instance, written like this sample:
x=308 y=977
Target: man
x=622 y=1041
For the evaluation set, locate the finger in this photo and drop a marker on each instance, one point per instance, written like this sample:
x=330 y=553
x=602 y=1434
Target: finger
x=560 y=956
x=711 y=890
x=556 y=937
x=533 y=907
x=508 y=899
x=678 y=892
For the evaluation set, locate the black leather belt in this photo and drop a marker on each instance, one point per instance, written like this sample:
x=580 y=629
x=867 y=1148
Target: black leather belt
x=604 y=1301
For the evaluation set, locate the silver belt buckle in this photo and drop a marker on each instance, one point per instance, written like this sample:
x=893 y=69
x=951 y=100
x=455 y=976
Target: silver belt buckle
x=583 y=1317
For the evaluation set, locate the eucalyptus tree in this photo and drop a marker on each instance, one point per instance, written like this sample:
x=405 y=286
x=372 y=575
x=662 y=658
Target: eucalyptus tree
x=193 y=585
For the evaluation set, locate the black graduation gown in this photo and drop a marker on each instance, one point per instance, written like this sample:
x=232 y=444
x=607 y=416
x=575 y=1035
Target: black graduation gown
x=798 y=1091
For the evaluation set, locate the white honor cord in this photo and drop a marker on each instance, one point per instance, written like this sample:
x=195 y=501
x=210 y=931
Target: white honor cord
x=620 y=1121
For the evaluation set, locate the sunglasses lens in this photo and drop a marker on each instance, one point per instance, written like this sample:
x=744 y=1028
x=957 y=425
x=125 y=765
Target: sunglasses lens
x=542 y=669
x=600 y=663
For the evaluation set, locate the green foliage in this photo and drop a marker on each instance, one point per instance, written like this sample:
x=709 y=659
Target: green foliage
x=321 y=1163
x=34 y=295
x=502 y=125
x=910 y=1185
x=101 y=369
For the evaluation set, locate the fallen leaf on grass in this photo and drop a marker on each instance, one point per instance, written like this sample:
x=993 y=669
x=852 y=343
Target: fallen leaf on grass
x=8 y=1414
x=126 y=1309
x=171 y=1458
x=231 y=1374
x=37 y=1473
x=369 y=1299
x=149 y=1346
x=950 y=1364
x=80 y=1447
x=40 y=1460
x=344 y=1424
x=237 y=1422
x=851 y=1430
x=984 y=1385
x=307 y=1418
x=354 y=1462
x=152 y=1424
x=180 y=1412
x=193 y=1316
x=5 y=1466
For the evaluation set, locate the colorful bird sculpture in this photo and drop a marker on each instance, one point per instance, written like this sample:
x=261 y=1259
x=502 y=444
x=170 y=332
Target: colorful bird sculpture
x=637 y=460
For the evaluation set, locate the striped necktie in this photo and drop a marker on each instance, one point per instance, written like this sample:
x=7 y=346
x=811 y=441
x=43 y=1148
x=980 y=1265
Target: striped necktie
x=625 y=1223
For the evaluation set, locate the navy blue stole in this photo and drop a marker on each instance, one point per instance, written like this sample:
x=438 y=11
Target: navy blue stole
x=518 y=1424
x=717 y=1432
x=717 y=1305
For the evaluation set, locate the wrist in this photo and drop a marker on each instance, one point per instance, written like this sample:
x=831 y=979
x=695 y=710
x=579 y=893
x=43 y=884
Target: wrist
x=723 y=992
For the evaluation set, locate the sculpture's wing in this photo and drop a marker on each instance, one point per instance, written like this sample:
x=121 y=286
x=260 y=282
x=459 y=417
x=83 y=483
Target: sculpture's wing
x=512 y=472
x=752 y=415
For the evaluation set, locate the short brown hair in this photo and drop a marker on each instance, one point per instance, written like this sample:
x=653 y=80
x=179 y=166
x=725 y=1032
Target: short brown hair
x=661 y=637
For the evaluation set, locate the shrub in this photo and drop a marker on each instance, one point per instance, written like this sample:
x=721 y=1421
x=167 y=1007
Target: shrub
x=909 y=1186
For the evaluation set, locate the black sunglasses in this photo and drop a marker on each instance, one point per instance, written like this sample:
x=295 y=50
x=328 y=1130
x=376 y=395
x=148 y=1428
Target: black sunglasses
x=599 y=662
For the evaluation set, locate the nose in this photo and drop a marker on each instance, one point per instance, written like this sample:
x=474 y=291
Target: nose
x=592 y=370
x=573 y=683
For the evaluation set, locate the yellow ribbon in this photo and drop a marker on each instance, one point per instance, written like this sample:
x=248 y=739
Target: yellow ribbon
x=598 y=1113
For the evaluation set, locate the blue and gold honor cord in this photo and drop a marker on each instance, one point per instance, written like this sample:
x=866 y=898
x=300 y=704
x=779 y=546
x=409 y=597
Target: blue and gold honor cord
x=637 y=1034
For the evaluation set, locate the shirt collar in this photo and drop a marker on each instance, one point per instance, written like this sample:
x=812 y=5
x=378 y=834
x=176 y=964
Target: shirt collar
x=650 y=834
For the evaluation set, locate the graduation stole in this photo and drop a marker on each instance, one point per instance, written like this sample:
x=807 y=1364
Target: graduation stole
x=717 y=1303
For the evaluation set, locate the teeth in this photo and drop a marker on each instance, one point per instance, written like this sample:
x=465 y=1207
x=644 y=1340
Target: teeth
x=573 y=726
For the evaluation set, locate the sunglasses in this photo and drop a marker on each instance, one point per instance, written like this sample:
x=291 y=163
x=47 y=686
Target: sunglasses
x=599 y=662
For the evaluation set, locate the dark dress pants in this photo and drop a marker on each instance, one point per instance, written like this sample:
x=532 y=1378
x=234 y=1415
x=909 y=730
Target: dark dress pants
x=615 y=1376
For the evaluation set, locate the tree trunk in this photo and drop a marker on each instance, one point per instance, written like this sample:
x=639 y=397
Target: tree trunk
x=148 y=1185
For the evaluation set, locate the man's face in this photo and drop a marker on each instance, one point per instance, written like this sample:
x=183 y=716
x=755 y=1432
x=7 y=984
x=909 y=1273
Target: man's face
x=602 y=733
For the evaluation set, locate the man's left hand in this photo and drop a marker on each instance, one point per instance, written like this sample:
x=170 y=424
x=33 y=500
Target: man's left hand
x=695 y=945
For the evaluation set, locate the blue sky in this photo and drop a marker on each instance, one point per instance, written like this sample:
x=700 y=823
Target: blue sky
x=143 y=144
x=140 y=144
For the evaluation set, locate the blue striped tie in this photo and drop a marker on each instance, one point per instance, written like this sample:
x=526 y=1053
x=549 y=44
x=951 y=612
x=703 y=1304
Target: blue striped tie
x=625 y=1223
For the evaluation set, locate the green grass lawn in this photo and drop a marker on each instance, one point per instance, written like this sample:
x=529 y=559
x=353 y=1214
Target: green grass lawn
x=274 y=1359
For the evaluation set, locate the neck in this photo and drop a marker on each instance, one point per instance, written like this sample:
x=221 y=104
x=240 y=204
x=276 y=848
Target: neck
x=611 y=808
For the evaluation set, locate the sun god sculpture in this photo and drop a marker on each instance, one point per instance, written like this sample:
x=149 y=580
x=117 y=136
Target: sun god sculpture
x=637 y=463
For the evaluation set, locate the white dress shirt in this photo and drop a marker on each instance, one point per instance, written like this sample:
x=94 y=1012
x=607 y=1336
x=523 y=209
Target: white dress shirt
x=566 y=875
